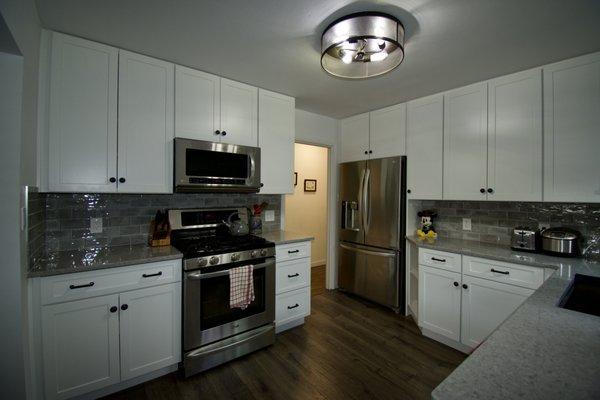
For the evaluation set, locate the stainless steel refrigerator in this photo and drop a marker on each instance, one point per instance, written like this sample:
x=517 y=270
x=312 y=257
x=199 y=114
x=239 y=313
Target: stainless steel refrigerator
x=371 y=236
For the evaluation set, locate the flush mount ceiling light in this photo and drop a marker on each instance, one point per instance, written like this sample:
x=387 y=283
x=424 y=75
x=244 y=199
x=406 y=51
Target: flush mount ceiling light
x=362 y=45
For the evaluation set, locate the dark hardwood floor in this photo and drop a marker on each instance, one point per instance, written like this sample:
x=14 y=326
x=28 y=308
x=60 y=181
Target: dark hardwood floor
x=317 y=280
x=348 y=349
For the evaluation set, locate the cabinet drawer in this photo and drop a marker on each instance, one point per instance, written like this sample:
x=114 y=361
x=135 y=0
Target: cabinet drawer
x=292 y=305
x=514 y=274
x=60 y=288
x=291 y=275
x=440 y=259
x=292 y=251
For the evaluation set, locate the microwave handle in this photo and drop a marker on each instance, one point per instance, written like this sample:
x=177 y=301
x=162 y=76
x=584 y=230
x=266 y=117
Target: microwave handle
x=200 y=275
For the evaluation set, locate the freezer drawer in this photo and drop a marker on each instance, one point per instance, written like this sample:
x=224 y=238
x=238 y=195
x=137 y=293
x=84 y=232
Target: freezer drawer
x=371 y=273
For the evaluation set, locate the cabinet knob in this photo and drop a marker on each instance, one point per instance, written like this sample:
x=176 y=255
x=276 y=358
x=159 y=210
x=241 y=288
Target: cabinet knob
x=217 y=132
x=490 y=190
x=112 y=179
x=455 y=284
x=121 y=180
x=223 y=133
x=113 y=309
x=370 y=151
x=408 y=191
x=262 y=184
x=465 y=286
x=124 y=307
x=366 y=152
x=482 y=190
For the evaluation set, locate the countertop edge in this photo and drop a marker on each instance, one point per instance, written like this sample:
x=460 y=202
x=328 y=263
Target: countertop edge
x=280 y=237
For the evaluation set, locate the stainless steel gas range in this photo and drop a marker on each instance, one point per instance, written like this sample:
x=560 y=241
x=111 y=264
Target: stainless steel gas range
x=214 y=333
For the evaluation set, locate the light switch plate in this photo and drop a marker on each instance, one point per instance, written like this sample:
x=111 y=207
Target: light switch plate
x=95 y=225
x=466 y=224
x=269 y=215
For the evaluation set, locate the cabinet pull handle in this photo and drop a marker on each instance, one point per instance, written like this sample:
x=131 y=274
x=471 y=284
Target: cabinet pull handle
x=113 y=309
x=500 y=272
x=159 y=273
x=490 y=190
x=124 y=307
x=438 y=259
x=223 y=133
x=293 y=275
x=121 y=180
x=465 y=286
x=293 y=251
x=112 y=179
x=81 y=286
x=294 y=306
x=217 y=132
x=455 y=284
x=482 y=190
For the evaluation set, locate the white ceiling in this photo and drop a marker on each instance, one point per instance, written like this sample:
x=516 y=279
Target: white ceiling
x=275 y=44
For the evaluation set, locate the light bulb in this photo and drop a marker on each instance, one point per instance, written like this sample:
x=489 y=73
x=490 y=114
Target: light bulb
x=382 y=55
x=347 y=57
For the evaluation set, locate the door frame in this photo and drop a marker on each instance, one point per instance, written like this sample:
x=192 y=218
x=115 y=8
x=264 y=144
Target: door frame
x=332 y=190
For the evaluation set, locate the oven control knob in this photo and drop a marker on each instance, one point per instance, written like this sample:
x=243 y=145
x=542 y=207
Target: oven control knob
x=202 y=262
x=253 y=253
x=235 y=257
x=263 y=252
x=214 y=260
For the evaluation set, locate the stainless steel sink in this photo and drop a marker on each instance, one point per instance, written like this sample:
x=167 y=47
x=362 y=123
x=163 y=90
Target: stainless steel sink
x=582 y=295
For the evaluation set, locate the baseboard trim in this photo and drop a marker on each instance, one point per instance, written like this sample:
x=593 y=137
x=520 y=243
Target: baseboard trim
x=289 y=325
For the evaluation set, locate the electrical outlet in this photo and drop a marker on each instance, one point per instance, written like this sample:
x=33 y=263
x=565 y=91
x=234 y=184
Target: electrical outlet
x=269 y=215
x=543 y=225
x=95 y=225
x=466 y=224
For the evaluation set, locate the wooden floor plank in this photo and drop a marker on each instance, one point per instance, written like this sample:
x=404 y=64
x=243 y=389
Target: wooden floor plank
x=348 y=349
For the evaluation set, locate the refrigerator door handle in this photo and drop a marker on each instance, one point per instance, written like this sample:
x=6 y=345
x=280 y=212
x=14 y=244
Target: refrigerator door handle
x=361 y=202
x=369 y=252
x=365 y=200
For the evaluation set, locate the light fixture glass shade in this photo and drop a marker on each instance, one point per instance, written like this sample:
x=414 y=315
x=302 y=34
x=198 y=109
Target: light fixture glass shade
x=362 y=45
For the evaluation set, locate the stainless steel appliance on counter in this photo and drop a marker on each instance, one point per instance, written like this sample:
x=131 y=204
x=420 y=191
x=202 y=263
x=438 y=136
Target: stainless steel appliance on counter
x=213 y=332
x=525 y=239
x=202 y=166
x=561 y=241
x=372 y=233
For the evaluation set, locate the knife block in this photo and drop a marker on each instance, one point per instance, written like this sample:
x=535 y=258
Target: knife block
x=155 y=242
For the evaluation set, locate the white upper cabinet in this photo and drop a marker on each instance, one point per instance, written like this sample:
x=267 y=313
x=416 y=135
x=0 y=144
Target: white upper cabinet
x=571 y=130
x=197 y=104
x=387 y=136
x=465 y=143
x=515 y=137
x=145 y=156
x=276 y=125
x=424 y=147
x=82 y=131
x=354 y=138
x=239 y=113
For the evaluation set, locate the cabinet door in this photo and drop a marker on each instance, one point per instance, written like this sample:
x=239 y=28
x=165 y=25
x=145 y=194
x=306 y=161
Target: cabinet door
x=197 y=104
x=145 y=124
x=485 y=305
x=82 y=116
x=150 y=329
x=239 y=113
x=388 y=132
x=439 y=301
x=571 y=137
x=515 y=137
x=465 y=143
x=80 y=341
x=424 y=147
x=276 y=125
x=355 y=138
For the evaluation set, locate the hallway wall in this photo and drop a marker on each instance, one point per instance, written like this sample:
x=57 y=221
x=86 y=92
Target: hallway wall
x=306 y=212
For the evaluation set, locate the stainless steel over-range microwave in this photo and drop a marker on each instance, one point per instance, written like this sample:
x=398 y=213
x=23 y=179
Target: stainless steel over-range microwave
x=202 y=166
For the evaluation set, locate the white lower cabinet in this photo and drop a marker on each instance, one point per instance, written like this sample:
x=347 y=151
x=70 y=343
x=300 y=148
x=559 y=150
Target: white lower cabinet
x=292 y=284
x=439 y=301
x=95 y=342
x=485 y=305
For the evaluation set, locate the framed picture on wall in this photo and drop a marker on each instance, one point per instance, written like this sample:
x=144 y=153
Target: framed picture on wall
x=310 y=185
x=295 y=179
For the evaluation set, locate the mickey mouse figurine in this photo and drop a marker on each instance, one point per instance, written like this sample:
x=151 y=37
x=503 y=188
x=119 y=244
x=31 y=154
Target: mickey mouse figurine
x=427 y=230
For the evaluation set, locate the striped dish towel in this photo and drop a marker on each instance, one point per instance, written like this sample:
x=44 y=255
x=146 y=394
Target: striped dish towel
x=241 y=286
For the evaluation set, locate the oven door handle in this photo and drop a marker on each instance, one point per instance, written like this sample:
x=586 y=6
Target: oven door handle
x=200 y=275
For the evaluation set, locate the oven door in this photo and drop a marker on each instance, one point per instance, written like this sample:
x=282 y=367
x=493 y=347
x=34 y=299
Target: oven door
x=202 y=166
x=207 y=316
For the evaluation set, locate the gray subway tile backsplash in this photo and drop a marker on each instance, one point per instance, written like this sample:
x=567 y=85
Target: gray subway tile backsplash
x=125 y=217
x=493 y=221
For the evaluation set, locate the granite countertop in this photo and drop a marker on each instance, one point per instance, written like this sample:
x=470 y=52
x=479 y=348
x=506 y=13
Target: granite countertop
x=499 y=253
x=67 y=262
x=285 y=237
x=541 y=351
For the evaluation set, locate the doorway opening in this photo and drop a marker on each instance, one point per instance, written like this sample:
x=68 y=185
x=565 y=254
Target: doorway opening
x=306 y=209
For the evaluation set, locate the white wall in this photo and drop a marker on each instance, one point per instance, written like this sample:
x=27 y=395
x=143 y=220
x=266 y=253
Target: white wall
x=317 y=129
x=306 y=212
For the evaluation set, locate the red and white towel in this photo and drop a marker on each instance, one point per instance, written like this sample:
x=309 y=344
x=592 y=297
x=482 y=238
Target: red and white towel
x=241 y=286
